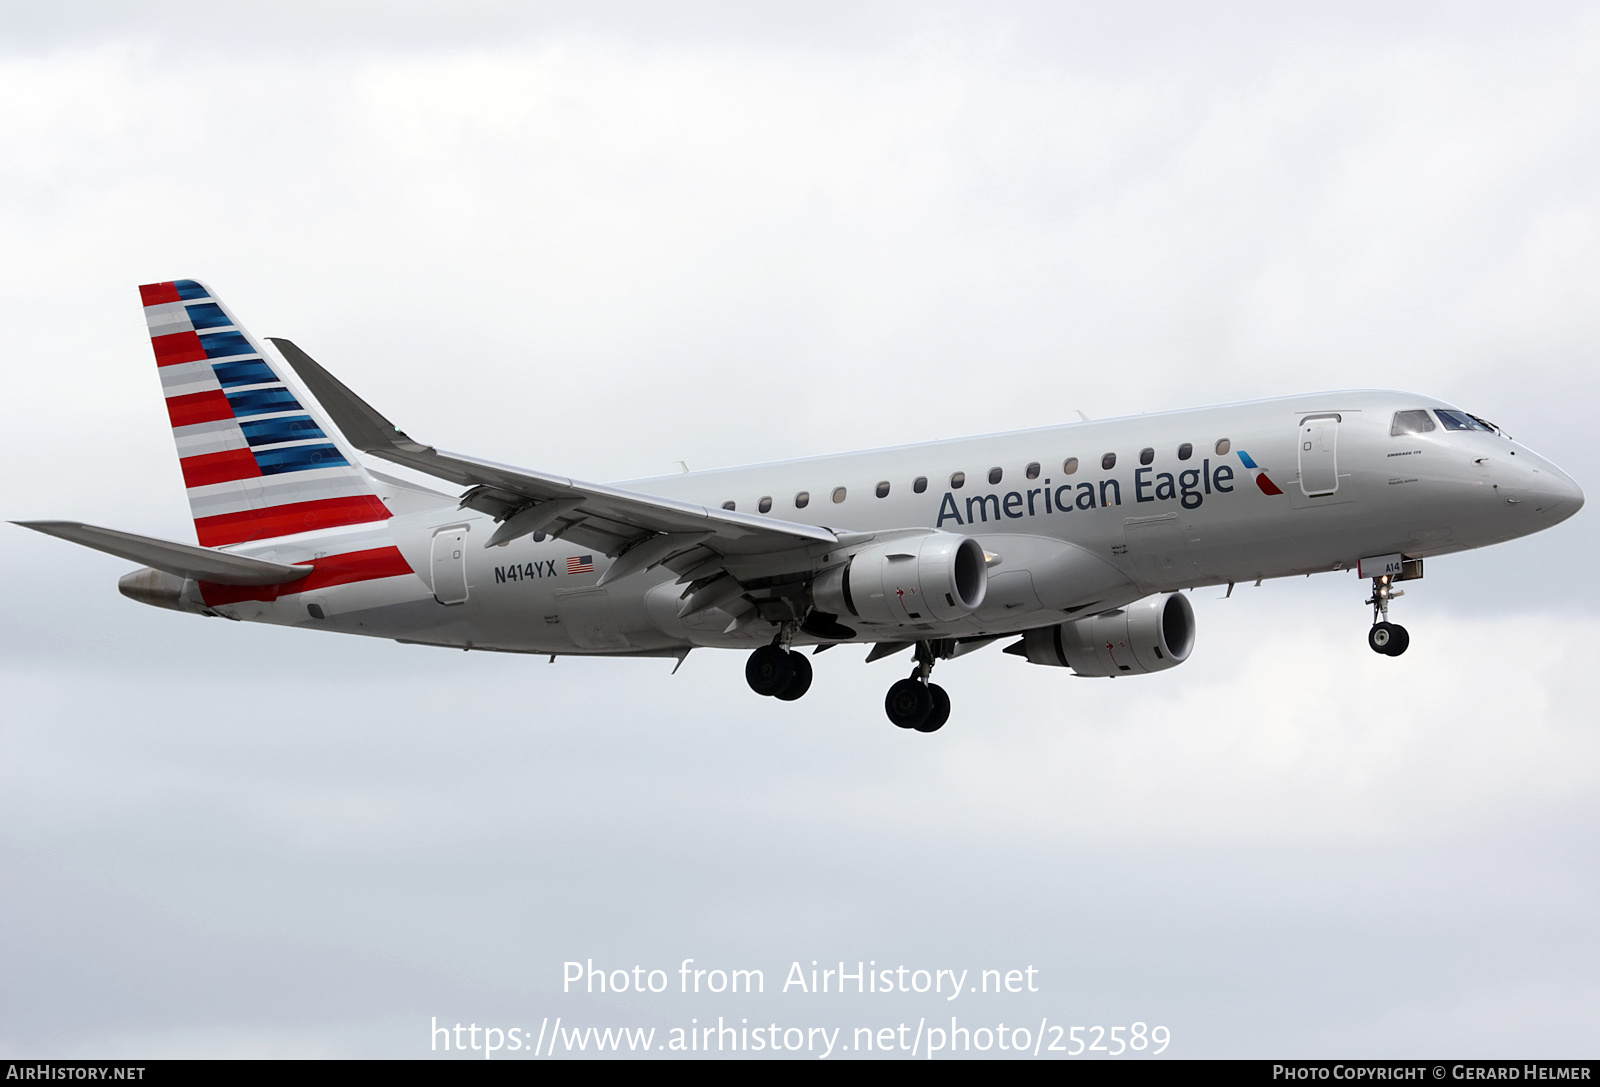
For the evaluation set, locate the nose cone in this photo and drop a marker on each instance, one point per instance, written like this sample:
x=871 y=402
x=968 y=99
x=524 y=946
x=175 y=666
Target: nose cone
x=1554 y=495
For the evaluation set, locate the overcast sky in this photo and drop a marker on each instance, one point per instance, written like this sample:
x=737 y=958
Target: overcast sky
x=600 y=239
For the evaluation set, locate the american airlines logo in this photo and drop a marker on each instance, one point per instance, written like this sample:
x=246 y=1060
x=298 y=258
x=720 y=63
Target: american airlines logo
x=1265 y=485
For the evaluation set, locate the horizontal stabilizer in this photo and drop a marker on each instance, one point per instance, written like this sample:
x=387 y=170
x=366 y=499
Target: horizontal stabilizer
x=183 y=560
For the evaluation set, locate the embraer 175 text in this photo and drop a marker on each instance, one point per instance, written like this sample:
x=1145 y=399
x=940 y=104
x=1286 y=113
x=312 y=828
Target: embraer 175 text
x=1072 y=541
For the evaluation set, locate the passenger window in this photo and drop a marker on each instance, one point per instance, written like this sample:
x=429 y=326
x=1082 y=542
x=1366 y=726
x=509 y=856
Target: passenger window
x=1109 y=461
x=995 y=476
x=1185 y=451
x=1223 y=445
x=1033 y=470
x=539 y=537
x=1411 y=422
x=1460 y=420
x=1069 y=466
x=802 y=500
x=838 y=495
x=727 y=505
x=1147 y=455
x=883 y=489
x=919 y=484
x=765 y=505
x=958 y=480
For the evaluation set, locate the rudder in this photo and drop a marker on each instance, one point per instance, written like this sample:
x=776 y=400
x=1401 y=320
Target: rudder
x=257 y=462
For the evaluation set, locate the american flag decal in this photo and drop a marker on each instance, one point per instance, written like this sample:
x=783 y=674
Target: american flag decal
x=580 y=564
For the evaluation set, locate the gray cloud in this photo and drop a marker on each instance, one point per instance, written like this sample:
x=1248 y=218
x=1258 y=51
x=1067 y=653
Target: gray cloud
x=599 y=244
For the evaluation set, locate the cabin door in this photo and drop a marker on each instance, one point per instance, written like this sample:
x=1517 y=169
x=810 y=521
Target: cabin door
x=450 y=566
x=1319 y=455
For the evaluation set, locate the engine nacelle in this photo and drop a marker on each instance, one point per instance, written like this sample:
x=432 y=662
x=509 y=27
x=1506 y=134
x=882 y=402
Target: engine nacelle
x=935 y=577
x=1155 y=634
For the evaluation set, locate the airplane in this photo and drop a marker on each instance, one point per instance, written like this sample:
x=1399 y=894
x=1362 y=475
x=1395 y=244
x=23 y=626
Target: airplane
x=1073 y=542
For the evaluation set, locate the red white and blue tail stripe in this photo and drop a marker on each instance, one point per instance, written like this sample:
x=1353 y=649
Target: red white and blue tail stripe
x=258 y=462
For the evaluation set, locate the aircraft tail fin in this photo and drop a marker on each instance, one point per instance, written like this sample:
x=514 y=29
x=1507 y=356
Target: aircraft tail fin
x=258 y=462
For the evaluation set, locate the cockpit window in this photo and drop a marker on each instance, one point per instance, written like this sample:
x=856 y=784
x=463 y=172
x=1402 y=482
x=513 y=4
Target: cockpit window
x=1460 y=420
x=1411 y=422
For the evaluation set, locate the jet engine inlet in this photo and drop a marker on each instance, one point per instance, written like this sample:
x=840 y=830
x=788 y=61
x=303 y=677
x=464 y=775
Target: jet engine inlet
x=1153 y=635
x=932 y=578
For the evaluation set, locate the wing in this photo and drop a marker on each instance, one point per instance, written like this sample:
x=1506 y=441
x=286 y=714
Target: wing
x=612 y=520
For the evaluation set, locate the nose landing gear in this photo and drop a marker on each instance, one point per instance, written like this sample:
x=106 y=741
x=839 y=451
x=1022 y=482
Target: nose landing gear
x=1385 y=637
x=1390 y=639
x=914 y=702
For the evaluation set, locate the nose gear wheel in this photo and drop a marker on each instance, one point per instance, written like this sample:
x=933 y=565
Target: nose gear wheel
x=1390 y=639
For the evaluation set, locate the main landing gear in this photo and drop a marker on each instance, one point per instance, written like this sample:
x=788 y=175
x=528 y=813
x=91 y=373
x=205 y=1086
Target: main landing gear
x=916 y=703
x=776 y=672
x=1385 y=637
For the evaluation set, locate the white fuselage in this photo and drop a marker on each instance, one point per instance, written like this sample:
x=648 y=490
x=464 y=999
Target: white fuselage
x=1059 y=541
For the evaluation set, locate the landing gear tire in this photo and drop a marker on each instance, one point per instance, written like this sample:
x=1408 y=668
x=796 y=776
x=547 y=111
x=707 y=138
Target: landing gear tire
x=909 y=704
x=1399 y=640
x=1390 y=639
x=770 y=670
x=1379 y=637
x=940 y=711
x=801 y=681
